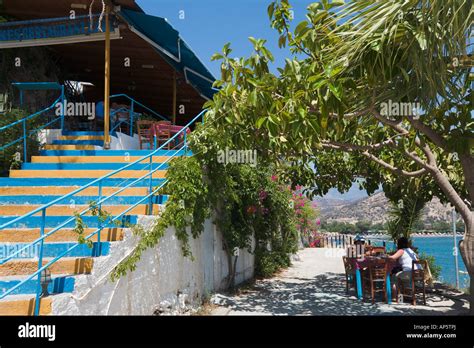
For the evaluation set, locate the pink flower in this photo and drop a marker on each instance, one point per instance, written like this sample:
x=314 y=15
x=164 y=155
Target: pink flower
x=274 y=178
x=262 y=195
x=318 y=222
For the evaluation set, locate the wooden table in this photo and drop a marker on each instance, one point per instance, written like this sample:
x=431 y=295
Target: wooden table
x=363 y=262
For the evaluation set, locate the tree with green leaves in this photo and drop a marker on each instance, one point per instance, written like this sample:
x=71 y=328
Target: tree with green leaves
x=380 y=90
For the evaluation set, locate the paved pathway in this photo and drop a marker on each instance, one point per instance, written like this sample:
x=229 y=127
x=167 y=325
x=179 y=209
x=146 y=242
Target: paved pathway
x=315 y=285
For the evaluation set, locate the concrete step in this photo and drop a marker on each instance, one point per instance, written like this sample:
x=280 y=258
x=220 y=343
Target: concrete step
x=66 y=265
x=54 y=249
x=91 y=166
x=82 y=133
x=6 y=199
x=122 y=159
x=53 y=221
x=109 y=153
x=28 y=235
x=24 y=305
x=73 y=182
x=59 y=191
x=69 y=210
x=69 y=147
x=81 y=137
x=59 y=284
x=78 y=142
x=125 y=174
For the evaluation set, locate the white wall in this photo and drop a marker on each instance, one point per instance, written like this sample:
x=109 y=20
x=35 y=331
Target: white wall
x=124 y=142
x=163 y=279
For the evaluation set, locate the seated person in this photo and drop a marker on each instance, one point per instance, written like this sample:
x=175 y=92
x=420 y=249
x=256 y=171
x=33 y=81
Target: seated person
x=404 y=257
x=357 y=249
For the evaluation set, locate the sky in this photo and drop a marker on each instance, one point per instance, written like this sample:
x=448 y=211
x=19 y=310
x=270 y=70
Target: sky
x=209 y=24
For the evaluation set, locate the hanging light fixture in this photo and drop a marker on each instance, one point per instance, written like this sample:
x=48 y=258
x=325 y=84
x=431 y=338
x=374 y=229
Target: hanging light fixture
x=45 y=279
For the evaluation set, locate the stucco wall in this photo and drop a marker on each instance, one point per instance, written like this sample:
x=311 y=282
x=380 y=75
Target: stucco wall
x=163 y=280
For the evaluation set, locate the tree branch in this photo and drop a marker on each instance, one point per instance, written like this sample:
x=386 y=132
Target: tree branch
x=435 y=137
x=351 y=147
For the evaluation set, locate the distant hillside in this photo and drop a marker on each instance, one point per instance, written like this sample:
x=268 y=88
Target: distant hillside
x=374 y=209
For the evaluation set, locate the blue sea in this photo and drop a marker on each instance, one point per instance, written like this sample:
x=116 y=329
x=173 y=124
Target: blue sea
x=442 y=249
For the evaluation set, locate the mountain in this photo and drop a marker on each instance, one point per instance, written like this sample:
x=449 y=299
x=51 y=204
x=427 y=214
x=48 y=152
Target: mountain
x=375 y=209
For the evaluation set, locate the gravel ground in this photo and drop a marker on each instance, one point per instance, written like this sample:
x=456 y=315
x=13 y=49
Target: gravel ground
x=315 y=285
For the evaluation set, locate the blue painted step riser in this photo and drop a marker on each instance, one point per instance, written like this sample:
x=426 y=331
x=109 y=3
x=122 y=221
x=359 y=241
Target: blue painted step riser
x=77 y=200
x=78 y=142
x=53 y=249
x=80 y=133
x=57 y=286
x=112 y=153
x=92 y=166
x=54 y=221
x=115 y=182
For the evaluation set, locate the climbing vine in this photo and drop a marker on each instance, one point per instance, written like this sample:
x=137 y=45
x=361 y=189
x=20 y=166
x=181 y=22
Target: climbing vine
x=250 y=207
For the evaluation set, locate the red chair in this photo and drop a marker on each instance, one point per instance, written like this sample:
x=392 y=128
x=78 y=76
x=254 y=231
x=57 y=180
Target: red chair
x=162 y=133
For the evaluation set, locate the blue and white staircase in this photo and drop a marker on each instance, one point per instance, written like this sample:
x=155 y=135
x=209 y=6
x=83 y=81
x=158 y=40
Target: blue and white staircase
x=68 y=163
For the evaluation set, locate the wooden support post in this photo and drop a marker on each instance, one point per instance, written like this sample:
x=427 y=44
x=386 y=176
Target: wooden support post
x=107 y=81
x=175 y=101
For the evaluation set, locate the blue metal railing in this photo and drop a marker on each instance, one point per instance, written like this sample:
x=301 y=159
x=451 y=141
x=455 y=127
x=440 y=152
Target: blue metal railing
x=26 y=133
x=131 y=111
x=101 y=200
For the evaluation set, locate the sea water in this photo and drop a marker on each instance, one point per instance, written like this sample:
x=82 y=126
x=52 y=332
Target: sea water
x=442 y=248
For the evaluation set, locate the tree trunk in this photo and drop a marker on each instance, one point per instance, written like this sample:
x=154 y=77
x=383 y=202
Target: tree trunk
x=466 y=247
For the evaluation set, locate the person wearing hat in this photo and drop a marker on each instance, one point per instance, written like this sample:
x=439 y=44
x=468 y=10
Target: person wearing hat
x=357 y=249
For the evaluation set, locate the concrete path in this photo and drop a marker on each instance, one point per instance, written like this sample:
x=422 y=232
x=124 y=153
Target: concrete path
x=315 y=285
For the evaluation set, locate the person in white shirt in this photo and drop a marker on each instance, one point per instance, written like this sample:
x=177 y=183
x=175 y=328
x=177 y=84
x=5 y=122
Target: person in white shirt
x=404 y=255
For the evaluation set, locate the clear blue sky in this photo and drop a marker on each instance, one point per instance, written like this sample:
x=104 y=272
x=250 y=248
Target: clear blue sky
x=209 y=24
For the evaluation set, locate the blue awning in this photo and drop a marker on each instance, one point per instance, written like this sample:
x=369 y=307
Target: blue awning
x=166 y=40
x=33 y=86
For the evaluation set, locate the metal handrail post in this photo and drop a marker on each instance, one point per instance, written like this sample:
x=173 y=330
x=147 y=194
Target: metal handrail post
x=99 y=248
x=132 y=108
x=150 y=188
x=62 y=108
x=40 y=263
x=24 y=141
x=185 y=141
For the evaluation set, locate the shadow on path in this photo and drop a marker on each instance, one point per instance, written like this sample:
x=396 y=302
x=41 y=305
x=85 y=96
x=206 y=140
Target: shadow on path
x=325 y=294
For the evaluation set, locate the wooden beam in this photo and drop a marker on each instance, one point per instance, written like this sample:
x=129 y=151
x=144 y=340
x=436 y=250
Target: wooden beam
x=174 y=97
x=107 y=81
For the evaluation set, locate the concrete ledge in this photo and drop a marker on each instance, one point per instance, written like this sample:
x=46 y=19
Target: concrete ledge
x=163 y=282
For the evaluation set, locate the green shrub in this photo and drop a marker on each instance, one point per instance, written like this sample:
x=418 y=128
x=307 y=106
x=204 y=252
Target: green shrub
x=8 y=158
x=267 y=263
